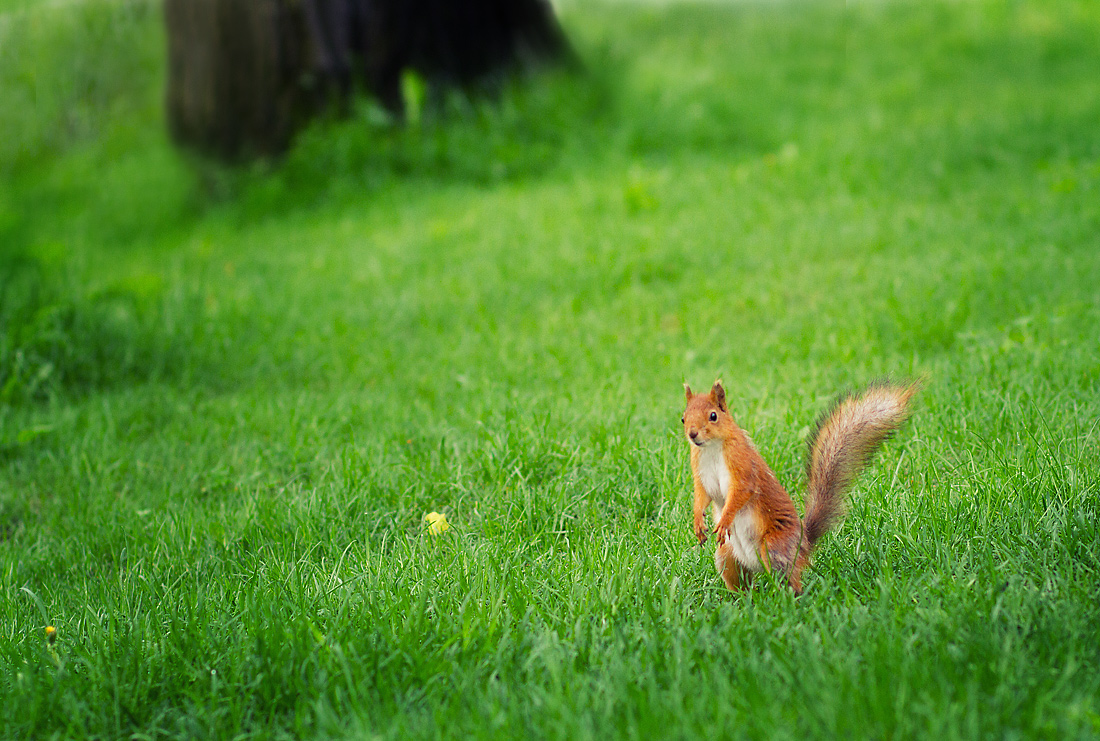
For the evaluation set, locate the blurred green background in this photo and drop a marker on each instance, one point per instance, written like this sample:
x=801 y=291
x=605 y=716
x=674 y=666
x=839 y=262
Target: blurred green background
x=229 y=394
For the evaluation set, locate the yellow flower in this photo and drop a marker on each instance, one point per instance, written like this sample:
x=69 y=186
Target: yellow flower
x=437 y=522
x=51 y=634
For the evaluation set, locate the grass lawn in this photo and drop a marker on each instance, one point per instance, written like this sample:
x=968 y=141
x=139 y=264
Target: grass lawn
x=228 y=397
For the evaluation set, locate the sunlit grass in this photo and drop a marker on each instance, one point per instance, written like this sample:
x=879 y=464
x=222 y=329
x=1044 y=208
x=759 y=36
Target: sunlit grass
x=231 y=397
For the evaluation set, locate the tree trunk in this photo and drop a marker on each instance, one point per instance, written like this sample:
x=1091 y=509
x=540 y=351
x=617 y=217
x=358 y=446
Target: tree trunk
x=233 y=74
x=244 y=74
x=455 y=43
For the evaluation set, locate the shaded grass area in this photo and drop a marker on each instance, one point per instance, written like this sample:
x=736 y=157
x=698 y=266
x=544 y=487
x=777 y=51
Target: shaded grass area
x=231 y=396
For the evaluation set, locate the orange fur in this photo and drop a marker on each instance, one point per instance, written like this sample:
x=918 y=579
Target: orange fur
x=756 y=523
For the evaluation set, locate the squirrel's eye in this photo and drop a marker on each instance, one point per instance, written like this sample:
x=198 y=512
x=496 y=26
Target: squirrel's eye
x=714 y=416
x=681 y=420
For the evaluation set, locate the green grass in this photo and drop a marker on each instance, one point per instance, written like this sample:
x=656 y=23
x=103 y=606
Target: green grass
x=228 y=397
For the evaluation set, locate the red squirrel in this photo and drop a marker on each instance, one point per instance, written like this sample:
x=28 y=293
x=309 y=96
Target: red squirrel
x=756 y=523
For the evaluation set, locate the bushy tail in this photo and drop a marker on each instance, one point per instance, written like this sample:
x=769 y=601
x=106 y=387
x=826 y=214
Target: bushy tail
x=846 y=438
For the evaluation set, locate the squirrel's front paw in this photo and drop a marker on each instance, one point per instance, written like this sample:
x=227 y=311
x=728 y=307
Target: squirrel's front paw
x=701 y=532
x=723 y=533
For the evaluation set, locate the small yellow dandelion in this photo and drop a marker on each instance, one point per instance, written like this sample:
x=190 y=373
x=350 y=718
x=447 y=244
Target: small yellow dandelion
x=437 y=522
x=51 y=636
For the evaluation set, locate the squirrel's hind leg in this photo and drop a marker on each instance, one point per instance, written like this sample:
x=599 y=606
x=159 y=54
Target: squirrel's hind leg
x=794 y=578
x=786 y=554
x=733 y=573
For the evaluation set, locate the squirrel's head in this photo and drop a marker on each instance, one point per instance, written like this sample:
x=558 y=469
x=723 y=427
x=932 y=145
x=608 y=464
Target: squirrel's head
x=707 y=417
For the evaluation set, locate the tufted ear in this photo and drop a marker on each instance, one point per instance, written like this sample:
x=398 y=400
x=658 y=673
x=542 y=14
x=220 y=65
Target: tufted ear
x=687 y=392
x=719 y=395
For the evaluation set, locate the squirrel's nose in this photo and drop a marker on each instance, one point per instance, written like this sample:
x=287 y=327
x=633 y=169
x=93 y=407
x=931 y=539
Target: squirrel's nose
x=694 y=434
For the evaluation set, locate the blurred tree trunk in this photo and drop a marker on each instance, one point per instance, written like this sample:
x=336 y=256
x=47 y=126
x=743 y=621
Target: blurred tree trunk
x=244 y=74
x=233 y=68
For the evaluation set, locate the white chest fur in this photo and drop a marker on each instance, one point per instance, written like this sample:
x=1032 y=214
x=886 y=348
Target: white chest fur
x=744 y=540
x=713 y=473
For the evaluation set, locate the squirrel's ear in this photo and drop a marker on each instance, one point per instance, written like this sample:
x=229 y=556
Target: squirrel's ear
x=687 y=392
x=719 y=395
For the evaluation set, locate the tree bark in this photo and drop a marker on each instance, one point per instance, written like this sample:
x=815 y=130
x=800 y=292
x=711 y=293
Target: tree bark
x=233 y=74
x=243 y=75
